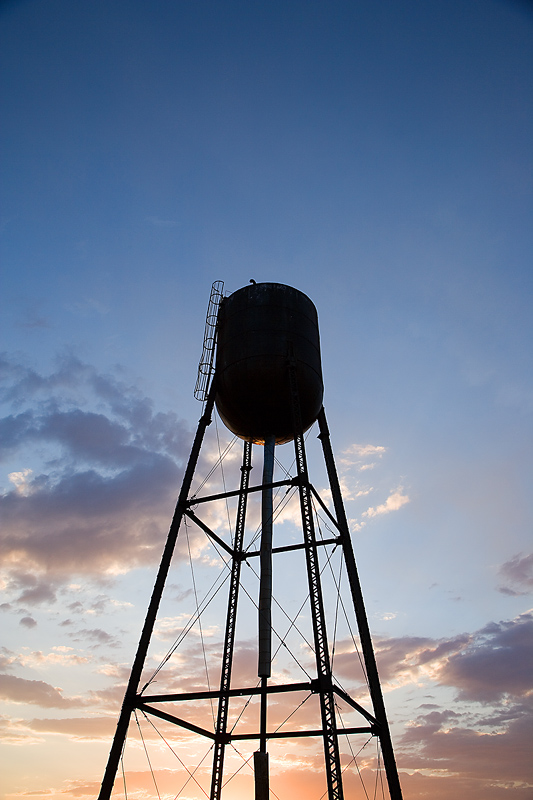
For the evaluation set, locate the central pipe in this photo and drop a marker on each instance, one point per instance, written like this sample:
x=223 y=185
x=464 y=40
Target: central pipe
x=265 y=618
x=265 y=584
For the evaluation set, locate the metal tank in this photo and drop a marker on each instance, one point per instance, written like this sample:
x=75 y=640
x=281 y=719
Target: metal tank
x=259 y=327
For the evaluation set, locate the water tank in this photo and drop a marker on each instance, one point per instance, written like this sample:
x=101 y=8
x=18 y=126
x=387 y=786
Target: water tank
x=258 y=327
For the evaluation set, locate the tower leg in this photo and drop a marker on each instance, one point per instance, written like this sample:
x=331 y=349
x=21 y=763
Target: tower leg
x=231 y=619
x=142 y=649
x=389 y=761
x=327 y=701
x=325 y=684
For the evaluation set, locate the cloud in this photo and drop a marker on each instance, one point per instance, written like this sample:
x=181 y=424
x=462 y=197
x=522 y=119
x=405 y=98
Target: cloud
x=34 y=322
x=8 y=659
x=76 y=727
x=96 y=635
x=109 y=472
x=364 y=450
x=31 y=589
x=14 y=733
x=499 y=662
x=28 y=622
x=59 y=655
x=39 y=693
x=519 y=573
x=21 y=481
x=411 y=658
x=393 y=502
x=53 y=411
x=470 y=755
x=87 y=307
x=479 y=744
x=20 y=731
x=356 y=454
x=489 y=665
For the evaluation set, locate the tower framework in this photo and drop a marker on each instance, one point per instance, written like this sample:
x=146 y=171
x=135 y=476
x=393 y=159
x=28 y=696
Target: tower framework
x=321 y=683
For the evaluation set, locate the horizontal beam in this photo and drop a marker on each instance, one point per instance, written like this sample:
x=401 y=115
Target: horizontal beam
x=230 y=737
x=193 y=501
x=297 y=734
x=290 y=547
x=307 y=686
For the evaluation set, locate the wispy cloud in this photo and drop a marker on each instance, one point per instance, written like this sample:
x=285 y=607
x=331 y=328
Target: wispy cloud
x=364 y=450
x=88 y=307
x=518 y=575
x=60 y=655
x=75 y=727
x=34 y=322
x=362 y=456
x=393 y=502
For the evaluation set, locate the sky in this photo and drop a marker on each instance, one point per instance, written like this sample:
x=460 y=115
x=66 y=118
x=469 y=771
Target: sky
x=376 y=156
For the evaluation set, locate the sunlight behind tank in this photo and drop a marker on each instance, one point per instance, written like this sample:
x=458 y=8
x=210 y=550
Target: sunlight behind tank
x=258 y=327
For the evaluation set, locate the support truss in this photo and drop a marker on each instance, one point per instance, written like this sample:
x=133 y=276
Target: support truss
x=323 y=685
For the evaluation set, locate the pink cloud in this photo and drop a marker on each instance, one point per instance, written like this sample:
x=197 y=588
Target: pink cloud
x=76 y=727
x=503 y=756
x=20 y=690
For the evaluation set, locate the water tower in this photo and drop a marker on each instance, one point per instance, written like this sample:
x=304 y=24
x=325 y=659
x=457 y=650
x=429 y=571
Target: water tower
x=261 y=368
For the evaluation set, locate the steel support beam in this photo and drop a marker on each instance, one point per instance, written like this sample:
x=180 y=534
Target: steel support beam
x=231 y=620
x=376 y=695
x=327 y=700
x=133 y=684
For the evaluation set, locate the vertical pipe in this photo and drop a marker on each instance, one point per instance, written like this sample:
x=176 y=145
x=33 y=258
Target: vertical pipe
x=265 y=584
x=262 y=781
x=265 y=618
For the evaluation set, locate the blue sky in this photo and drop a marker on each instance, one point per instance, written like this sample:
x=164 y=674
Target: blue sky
x=376 y=156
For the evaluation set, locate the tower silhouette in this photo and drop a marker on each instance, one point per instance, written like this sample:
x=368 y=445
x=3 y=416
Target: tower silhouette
x=261 y=368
